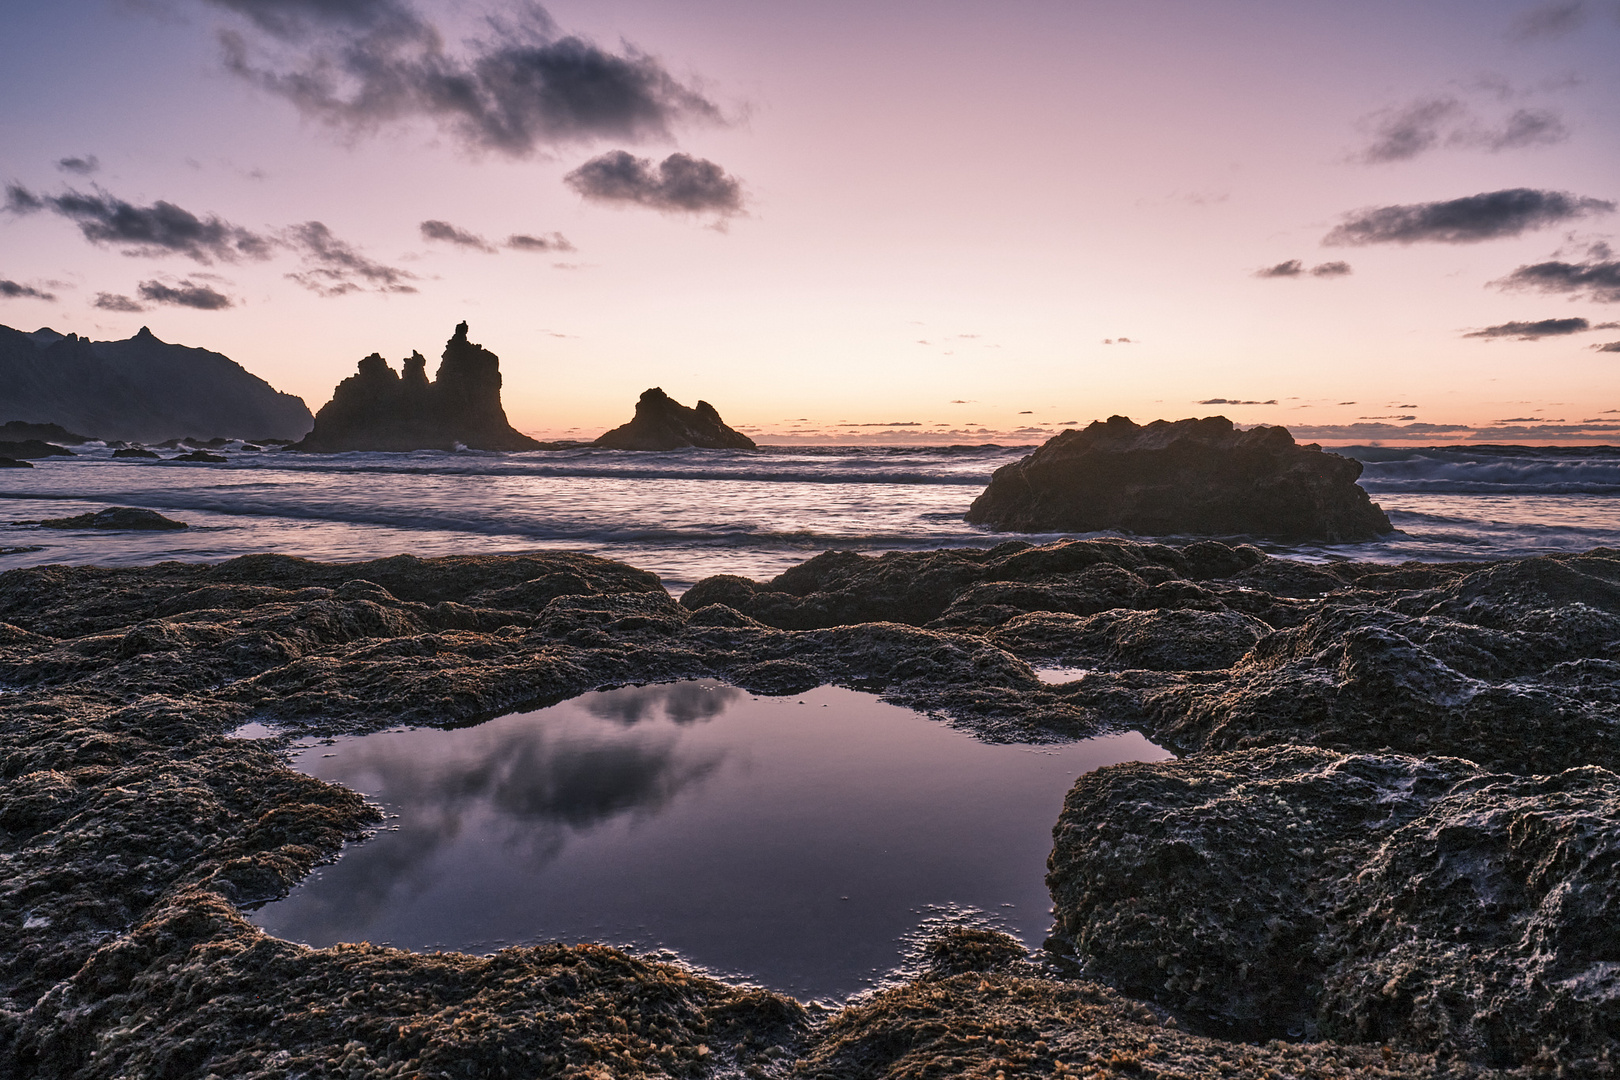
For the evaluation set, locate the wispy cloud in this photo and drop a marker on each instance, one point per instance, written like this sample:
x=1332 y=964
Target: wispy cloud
x=79 y=166
x=447 y=233
x=13 y=290
x=361 y=64
x=678 y=184
x=159 y=229
x=1597 y=278
x=1233 y=401
x=544 y=242
x=1550 y=20
x=1535 y=331
x=1489 y=215
x=184 y=293
x=1294 y=268
x=116 y=302
x=334 y=267
x=1404 y=132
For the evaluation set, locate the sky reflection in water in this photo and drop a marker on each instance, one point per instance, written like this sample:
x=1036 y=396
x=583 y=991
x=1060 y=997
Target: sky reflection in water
x=791 y=840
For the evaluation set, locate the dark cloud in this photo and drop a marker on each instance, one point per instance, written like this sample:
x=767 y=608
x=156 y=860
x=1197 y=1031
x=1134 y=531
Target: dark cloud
x=680 y=183
x=364 y=64
x=184 y=294
x=1406 y=131
x=1598 y=278
x=449 y=234
x=333 y=267
x=12 y=290
x=116 y=302
x=1533 y=331
x=1294 y=268
x=1550 y=20
x=1487 y=216
x=82 y=166
x=160 y=229
x=1233 y=401
x=1611 y=346
x=544 y=242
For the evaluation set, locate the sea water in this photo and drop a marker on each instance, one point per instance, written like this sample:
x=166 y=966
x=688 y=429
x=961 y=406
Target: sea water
x=688 y=514
x=792 y=842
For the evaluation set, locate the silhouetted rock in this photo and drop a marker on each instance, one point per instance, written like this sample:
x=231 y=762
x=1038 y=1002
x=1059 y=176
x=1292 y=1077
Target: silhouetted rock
x=380 y=409
x=662 y=423
x=33 y=448
x=22 y=430
x=13 y=463
x=136 y=452
x=114 y=517
x=1197 y=477
x=201 y=455
x=139 y=390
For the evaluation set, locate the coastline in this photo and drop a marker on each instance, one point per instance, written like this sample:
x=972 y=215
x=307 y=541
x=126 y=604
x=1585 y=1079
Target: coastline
x=135 y=824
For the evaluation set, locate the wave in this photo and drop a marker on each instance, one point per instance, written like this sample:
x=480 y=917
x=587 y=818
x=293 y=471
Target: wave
x=1511 y=471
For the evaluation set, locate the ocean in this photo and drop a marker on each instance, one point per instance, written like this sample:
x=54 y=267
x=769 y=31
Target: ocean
x=688 y=514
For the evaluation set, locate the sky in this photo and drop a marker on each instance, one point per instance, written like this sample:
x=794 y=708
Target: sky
x=936 y=221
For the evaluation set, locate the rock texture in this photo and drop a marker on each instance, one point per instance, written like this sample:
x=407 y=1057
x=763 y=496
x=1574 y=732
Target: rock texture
x=1190 y=477
x=662 y=423
x=138 y=390
x=380 y=409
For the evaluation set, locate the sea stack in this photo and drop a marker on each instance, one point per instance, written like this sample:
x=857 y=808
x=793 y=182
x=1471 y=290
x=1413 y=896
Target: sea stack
x=662 y=423
x=380 y=409
x=1189 y=477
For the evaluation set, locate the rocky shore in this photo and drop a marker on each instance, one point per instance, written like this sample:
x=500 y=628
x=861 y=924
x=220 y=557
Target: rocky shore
x=1391 y=845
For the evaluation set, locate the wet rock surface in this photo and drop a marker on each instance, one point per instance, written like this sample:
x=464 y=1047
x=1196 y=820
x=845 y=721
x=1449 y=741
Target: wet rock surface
x=662 y=423
x=1395 y=824
x=1189 y=477
x=380 y=409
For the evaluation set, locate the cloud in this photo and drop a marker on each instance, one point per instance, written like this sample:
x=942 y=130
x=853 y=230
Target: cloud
x=116 y=302
x=1233 y=401
x=443 y=230
x=1550 y=20
x=1375 y=430
x=680 y=184
x=1533 y=331
x=1610 y=346
x=160 y=229
x=1294 y=268
x=82 y=166
x=1487 y=216
x=12 y=290
x=544 y=242
x=184 y=294
x=333 y=267
x=1598 y=278
x=361 y=64
x=1403 y=132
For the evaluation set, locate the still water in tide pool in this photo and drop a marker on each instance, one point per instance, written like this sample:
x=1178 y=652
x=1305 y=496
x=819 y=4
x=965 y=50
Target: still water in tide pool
x=791 y=841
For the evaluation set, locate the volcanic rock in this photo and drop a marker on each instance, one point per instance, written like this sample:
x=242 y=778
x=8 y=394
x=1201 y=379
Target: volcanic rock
x=33 y=448
x=136 y=452
x=114 y=517
x=379 y=409
x=1190 y=477
x=662 y=423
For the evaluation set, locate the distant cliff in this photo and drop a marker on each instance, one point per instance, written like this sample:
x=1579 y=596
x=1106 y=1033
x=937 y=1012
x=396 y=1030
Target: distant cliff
x=378 y=408
x=662 y=423
x=139 y=390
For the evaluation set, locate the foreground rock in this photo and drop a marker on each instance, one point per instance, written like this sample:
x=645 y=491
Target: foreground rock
x=1364 y=897
x=379 y=409
x=1395 y=826
x=1190 y=477
x=662 y=423
x=114 y=517
x=140 y=389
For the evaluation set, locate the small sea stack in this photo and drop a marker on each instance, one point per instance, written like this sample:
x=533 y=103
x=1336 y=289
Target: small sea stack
x=1187 y=477
x=662 y=423
x=378 y=408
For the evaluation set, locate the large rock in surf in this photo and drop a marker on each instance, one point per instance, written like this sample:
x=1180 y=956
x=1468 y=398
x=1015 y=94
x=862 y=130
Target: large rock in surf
x=137 y=390
x=1190 y=477
x=662 y=423
x=379 y=409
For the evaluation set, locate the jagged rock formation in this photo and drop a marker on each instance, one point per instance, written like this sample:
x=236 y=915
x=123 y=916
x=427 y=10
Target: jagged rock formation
x=662 y=423
x=1190 y=477
x=379 y=409
x=137 y=390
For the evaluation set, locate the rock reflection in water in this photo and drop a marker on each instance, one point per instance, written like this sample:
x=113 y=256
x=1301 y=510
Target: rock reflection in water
x=792 y=840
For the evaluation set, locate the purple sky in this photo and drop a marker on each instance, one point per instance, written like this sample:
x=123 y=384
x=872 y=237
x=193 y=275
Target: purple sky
x=1382 y=220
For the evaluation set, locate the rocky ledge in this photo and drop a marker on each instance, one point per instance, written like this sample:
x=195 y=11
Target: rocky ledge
x=1390 y=847
x=1189 y=478
x=662 y=423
